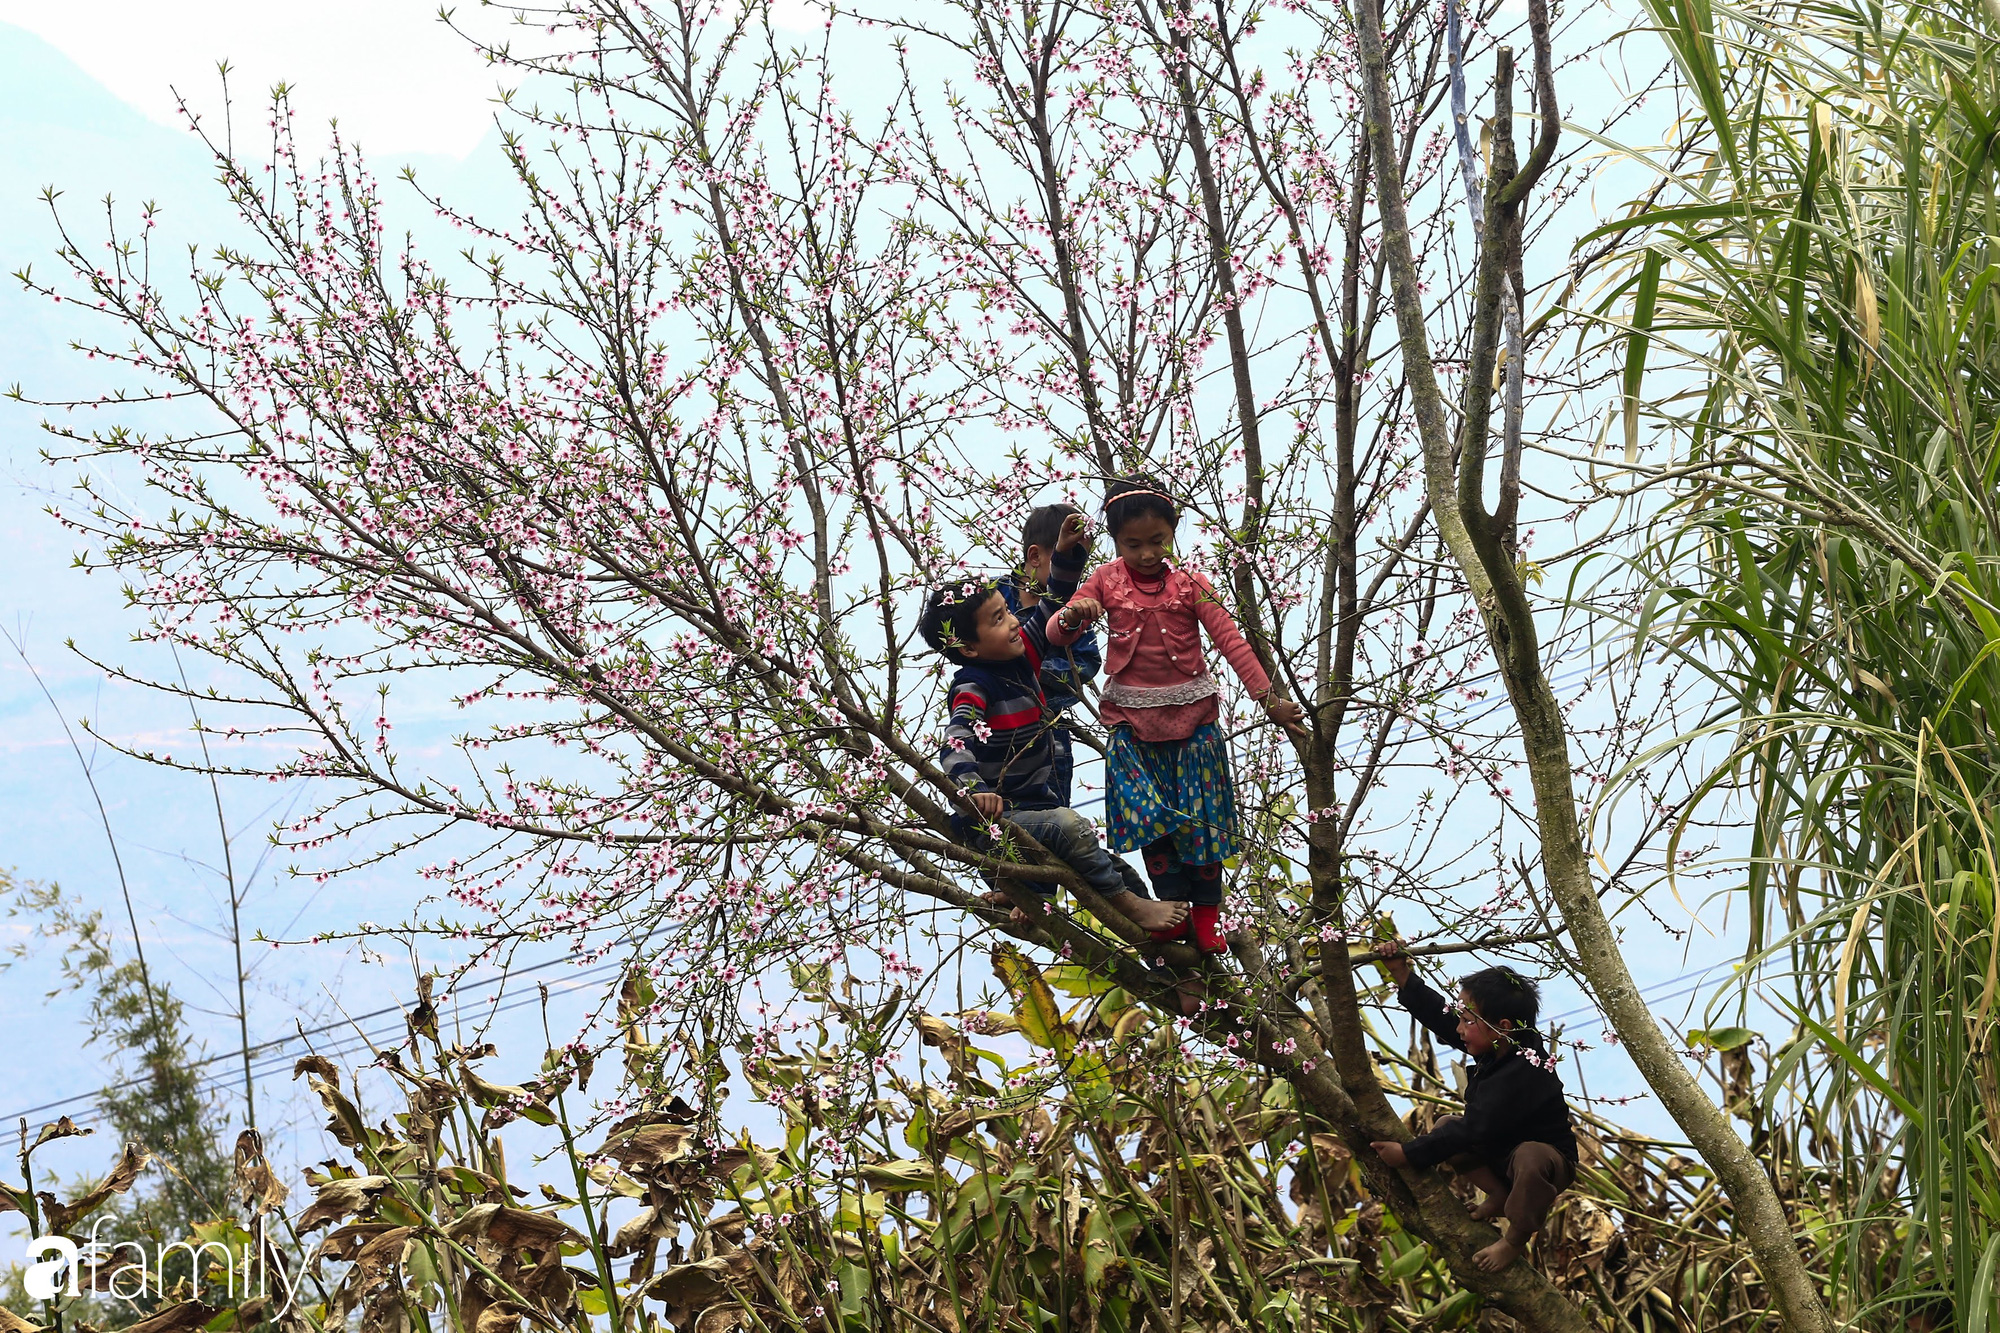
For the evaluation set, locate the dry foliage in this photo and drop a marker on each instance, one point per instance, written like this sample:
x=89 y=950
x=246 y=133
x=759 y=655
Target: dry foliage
x=1105 y=1182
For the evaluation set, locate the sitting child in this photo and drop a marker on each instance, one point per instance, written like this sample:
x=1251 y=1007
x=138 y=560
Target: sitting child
x=1064 y=671
x=997 y=744
x=1515 y=1141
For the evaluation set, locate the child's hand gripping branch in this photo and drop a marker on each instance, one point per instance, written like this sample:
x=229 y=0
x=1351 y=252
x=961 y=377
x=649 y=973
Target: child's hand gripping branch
x=1076 y=534
x=1515 y=1140
x=1286 y=714
x=1052 y=534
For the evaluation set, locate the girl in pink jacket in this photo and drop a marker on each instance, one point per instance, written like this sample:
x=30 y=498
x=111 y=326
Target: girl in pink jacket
x=1167 y=782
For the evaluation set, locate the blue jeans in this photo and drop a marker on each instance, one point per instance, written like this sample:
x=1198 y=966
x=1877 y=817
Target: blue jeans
x=1062 y=766
x=1073 y=838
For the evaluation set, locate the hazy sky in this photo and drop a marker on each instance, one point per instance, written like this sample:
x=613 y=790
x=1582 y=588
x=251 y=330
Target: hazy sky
x=400 y=80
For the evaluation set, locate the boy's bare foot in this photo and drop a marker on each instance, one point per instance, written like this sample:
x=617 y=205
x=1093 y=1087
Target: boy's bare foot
x=1497 y=1255
x=1151 y=913
x=1488 y=1208
x=998 y=899
x=1192 y=993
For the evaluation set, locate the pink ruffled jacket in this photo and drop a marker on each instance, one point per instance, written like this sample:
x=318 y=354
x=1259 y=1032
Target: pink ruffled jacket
x=1159 y=682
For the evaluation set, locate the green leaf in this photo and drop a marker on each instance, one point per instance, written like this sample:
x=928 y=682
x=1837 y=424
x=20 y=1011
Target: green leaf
x=1034 y=1003
x=1644 y=303
x=812 y=980
x=1409 y=1263
x=1983 y=1297
x=903 y=1175
x=977 y=1194
x=1859 y=1063
x=1077 y=981
x=1090 y=1080
x=1721 y=1039
x=1454 y=1311
x=1107 y=1233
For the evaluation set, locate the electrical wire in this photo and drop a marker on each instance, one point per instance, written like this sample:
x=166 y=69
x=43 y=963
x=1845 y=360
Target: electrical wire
x=270 y=1056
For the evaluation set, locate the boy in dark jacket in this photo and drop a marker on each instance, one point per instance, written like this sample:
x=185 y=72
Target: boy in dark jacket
x=1063 y=670
x=998 y=744
x=1515 y=1140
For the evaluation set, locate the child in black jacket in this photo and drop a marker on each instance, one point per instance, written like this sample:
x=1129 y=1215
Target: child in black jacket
x=1515 y=1140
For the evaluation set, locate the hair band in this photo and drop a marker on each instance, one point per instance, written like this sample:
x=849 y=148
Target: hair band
x=1133 y=495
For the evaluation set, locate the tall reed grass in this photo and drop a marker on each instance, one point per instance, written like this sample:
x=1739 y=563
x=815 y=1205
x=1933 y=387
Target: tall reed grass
x=1813 y=320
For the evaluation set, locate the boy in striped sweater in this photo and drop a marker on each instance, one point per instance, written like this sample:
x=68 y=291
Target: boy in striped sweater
x=998 y=746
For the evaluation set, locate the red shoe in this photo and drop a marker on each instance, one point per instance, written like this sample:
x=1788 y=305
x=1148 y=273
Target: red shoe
x=1205 y=921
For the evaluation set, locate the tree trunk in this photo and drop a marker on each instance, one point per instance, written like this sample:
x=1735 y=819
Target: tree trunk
x=1496 y=588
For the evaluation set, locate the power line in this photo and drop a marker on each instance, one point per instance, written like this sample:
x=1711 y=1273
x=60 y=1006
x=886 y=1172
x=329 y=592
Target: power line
x=261 y=1052
x=1699 y=974
x=267 y=1057
x=266 y=1064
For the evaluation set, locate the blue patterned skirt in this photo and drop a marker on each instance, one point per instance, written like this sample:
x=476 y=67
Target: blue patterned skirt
x=1179 y=788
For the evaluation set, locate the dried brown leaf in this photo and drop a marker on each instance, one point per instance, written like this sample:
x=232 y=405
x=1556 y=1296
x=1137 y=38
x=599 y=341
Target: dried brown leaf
x=99 y=1275
x=492 y=1094
x=386 y=1312
x=426 y=1093
x=1592 y=1229
x=341 y=1198
x=500 y=1317
x=344 y=1120
x=256 y=1184
x=64 y=1216
x=343 y=1243
x=513 y=1228
x=176 y=1319
x=318 y=1066
x=383 y=1251
x=722 y=1318
x=632 y=1237
x=957 y=1051
x=688 y=1288
x=646 y=1147
x=59 y=1129
x=424 y=1019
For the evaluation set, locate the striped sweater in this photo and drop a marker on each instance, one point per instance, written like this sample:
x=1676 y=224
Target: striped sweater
x=1064 y=670
x=998 y=739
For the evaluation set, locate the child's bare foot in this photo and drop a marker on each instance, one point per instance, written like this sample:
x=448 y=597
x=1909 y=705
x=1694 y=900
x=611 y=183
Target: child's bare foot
x=1192 y=993
x=1497 y=1255
x=1488 y=1208
x=1151 y=913
x=996 y=898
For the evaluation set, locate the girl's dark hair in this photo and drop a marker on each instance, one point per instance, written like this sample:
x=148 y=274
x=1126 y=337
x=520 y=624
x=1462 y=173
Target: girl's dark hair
x=1501 y=993
x=1128 y=498
x=1044 y=526
x=950 y=617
